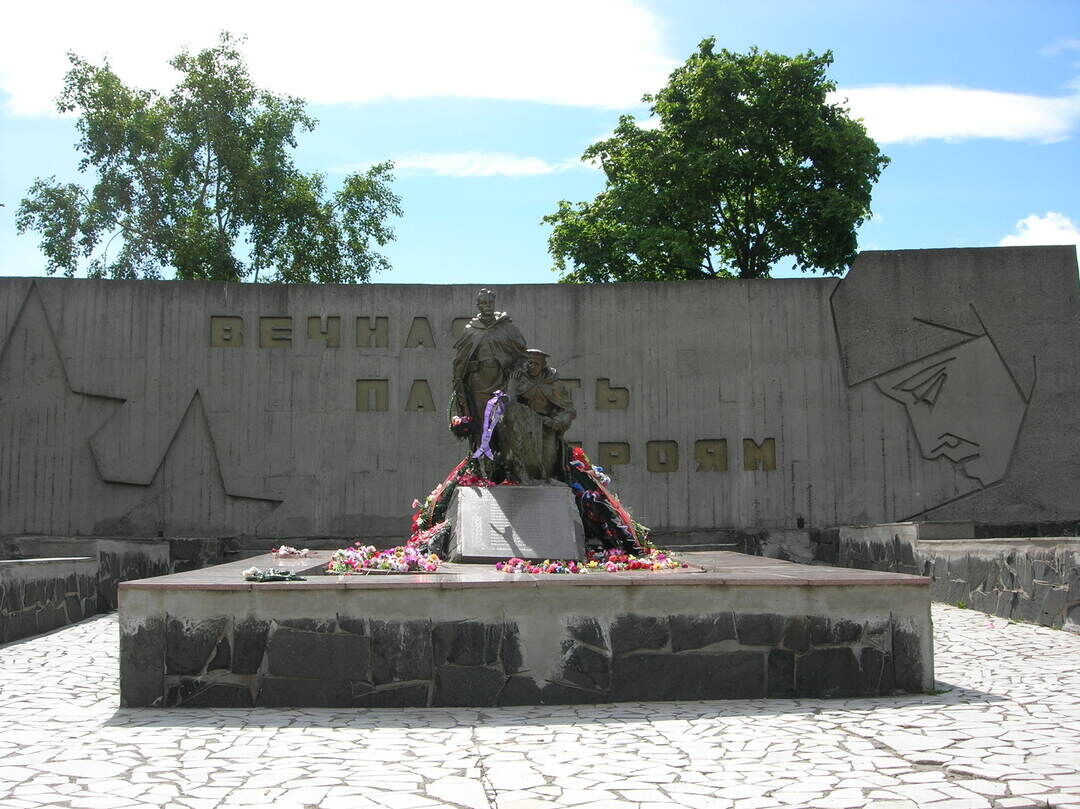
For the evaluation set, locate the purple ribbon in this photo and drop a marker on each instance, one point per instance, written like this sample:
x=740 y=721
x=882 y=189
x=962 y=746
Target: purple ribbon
x=492 y=413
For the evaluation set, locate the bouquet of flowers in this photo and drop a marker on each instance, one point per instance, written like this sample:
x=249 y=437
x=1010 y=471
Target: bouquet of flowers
x=365 y=559
x=270 y=574
x=461 y=426
x=516 y=565
x=607 y=561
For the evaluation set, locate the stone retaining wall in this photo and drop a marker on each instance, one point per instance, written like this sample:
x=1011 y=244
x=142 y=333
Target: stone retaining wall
x=48 y=581
x=351 y=661
x=1025 y=579
x=745 y=628
x=39 y=595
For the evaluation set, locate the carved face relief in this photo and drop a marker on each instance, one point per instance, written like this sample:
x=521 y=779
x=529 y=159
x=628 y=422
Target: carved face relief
x=485 y=304
x=964 y=406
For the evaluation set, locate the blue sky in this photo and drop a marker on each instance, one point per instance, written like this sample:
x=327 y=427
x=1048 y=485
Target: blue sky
x=486 y=106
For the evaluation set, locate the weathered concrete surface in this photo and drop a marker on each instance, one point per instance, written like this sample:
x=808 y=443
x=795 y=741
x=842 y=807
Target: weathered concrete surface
x=39 y=595
x=978 y=346
x=1025 y=579
x=200 y=409
x=744 y=627
x=115 y=559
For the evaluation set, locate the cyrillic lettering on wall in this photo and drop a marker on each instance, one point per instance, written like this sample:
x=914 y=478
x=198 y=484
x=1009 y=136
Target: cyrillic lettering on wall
x=420 y=335
x=372 y=395
x=226 y=332
x=662 y=456
x=420 y=399
x=275 y=332
x=457 y=326
x=330 y=332
x=761 y=455
x=613 y=453
x=369 y=335
x=711 y=454
x=609 y=398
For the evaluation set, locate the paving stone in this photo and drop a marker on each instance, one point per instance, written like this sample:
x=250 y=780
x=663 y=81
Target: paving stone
x=1001 y=732
x=1055 y=800
x=983 y=787
x=459 y=790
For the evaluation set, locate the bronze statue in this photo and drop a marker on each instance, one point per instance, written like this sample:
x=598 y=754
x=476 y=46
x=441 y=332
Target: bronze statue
x=489 y=347
x=515 y=411
x=538 y=412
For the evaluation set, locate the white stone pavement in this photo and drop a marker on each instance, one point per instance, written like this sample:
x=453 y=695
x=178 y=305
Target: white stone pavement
x=1004 y=734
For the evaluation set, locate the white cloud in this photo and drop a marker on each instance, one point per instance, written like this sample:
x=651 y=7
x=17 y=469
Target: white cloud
x=479 y=164
x=922 y=112
x=600 y=53
x=911 y=113
x=1052 y=228
x=1061 y=46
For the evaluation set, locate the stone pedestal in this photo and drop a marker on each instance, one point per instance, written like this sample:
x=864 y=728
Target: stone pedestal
x=530 y=522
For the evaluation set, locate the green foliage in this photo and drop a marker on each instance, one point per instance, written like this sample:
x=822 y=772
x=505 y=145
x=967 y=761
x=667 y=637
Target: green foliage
x=182 y=178
x=750 y=163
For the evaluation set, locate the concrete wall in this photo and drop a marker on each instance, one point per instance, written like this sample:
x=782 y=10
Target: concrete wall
x=117 y=559
x=939 y=384
x=39 y=595
x=1025 y=579
x=518 y=642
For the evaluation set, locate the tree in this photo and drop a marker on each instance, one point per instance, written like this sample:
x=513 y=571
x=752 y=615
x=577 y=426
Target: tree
x=182 y=178
x=750 y=163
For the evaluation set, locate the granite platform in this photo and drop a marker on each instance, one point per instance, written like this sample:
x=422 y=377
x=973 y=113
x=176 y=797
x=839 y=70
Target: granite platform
x=727 y=626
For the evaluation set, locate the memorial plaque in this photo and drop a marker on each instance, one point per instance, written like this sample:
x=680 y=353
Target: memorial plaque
x=529 y=522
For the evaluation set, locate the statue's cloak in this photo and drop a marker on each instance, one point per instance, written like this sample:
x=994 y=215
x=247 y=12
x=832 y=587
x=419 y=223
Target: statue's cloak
x=501 y=341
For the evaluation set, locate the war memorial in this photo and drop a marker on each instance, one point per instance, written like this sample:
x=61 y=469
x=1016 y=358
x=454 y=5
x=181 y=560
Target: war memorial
x=822 y=455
